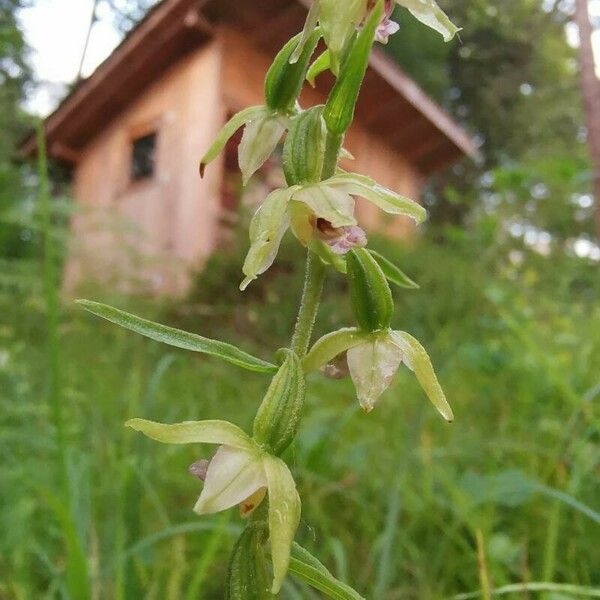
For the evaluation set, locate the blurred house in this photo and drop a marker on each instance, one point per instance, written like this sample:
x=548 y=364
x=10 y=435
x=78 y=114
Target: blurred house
x=135 y=130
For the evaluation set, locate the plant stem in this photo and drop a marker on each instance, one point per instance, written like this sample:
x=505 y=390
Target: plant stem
x=315 y=271
x=311 y=296
x=333 y=144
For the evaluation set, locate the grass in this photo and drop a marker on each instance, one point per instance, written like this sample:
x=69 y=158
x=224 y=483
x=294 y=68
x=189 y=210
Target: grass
x=397 y=503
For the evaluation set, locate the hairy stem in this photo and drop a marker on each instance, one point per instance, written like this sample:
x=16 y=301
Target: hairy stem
x=311 y=296
x=333 y=144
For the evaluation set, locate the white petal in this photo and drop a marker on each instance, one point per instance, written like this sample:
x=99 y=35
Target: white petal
x=284 y=516
x=232 y=477
x=372 y=367
x=416 y=359
x=261 y=136
x=334 y=205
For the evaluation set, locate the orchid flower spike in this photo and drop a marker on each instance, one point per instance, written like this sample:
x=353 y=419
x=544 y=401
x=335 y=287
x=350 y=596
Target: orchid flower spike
x=240 y=473
x=329 y=203
x=373 y=360
x=339 y=25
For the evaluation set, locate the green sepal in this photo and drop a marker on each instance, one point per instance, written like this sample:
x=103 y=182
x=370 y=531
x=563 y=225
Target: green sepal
x=304 y=147
x=310 y=570
x=284 y=79
x=370 y=293
x=320 y=65
x=248 y=576
x=277 y=418
x=393 y=273
x=177 y=337
x=325 y=349
x=339 y=109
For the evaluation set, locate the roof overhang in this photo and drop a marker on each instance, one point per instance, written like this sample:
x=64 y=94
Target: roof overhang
x=391 y=104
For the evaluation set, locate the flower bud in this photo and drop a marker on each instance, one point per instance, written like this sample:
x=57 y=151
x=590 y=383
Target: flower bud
x=277 y=418
x=339 y=110
x=304 y=147
x=284 y=80
x=371 y=296
x=248 y=577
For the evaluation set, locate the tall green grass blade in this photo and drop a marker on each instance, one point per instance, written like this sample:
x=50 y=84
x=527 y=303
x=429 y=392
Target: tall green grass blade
x=385 y=569
x=178 y=338
x=307 y=568
x=210 y=550
x=522 y=588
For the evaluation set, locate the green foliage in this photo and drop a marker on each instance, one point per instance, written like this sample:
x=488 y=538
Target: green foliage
x=516 y=339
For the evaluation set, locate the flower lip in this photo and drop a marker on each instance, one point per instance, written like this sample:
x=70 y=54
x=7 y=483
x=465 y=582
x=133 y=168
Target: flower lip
x=340 y=239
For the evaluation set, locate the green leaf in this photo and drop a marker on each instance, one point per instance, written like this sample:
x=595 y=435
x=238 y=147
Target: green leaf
x=284 y=516
x=195 y=432
x=178 y=338
x=386 y=199
x=415 y=357
x=310 y=570
x=227 y=131
x=393 y=273
x=325 y=349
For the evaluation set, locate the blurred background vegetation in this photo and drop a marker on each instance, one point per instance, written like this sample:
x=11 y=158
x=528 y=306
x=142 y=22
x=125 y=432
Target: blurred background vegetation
x=398 y=504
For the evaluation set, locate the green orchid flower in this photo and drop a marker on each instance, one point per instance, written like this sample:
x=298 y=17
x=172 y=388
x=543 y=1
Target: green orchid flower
x=373 y=359
x=338 y=25
x=301 y=207
x=240 y=473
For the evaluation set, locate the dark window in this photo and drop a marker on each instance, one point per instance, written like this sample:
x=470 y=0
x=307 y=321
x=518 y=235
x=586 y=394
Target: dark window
x=143 y=157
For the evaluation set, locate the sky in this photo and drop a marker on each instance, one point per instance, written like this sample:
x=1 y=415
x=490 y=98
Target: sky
x=55 y=30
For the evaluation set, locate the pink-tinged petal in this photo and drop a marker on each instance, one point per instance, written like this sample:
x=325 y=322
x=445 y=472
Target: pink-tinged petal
x=232 y=477
x=386 y=28
x=341 y=239
x=199 y=469
x=373 y=365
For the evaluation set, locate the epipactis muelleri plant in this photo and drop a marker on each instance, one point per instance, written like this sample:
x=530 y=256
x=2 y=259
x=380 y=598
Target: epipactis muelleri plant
x=318 y=207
